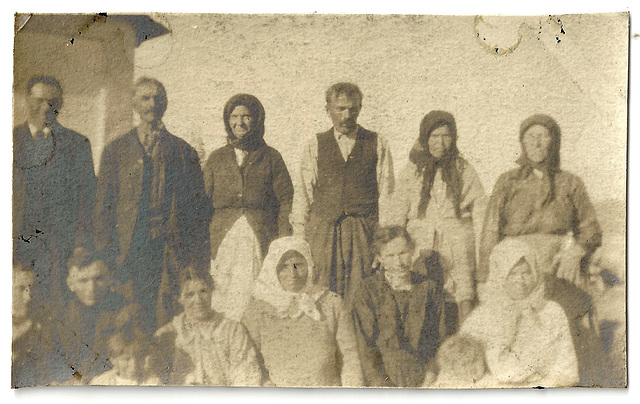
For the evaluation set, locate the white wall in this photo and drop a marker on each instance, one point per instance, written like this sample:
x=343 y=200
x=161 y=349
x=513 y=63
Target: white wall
x=406 y=66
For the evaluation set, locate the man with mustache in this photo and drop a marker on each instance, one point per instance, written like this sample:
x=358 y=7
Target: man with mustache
x=151 y=216
x=346 y=173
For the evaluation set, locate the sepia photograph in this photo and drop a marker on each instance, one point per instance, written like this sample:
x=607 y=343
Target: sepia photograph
x=320 y=200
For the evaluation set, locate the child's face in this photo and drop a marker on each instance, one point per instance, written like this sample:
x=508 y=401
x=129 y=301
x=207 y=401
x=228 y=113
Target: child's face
x=467 y=366
x=520 y=281
x=124 y=357
x=21 y=292
x=89 y=284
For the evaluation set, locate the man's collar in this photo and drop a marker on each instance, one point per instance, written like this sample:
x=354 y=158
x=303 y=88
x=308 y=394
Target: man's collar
x=351 y=135
x=34 y=130
x=159 y=127
x=398 y=282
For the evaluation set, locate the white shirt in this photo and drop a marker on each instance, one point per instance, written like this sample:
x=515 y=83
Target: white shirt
x=240 y=155
x=35 y=130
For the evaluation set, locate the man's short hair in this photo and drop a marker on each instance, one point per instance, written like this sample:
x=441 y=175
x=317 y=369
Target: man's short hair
x=83 y=257
x=385 y=234
x=48 y=80
x=350 y=90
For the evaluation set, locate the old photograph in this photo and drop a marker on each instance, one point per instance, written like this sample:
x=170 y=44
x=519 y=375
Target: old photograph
x=320 y=200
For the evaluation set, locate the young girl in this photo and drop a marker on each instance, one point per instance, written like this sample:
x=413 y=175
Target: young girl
x=201 y=346
x=460 y=363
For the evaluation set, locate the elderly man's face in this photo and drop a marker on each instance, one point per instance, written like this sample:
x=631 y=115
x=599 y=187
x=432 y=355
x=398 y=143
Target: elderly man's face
x=344 y=112
x=148 y=102
x=43 y=103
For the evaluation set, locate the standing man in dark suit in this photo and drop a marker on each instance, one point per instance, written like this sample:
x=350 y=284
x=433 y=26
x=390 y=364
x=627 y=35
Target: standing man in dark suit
x=53 y=194
x=151 y=216
x=346 y=178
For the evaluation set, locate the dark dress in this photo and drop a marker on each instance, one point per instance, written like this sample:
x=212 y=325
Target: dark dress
x=514 y=210
x=260 y=189
x=398 y=332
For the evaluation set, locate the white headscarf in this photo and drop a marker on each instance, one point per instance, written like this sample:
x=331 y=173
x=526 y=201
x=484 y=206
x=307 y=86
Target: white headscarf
x=495 y=303
x=268 y=288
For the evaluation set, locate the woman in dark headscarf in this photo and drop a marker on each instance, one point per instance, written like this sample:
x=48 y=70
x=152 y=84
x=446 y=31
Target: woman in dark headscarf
x=540 y=198
x=251 y=194
x=437 y=195
x=551 y=209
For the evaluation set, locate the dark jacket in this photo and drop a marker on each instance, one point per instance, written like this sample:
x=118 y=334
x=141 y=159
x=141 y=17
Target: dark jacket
x=119 y=191
x=53 y=196
x=261 y=190
x=398 y=332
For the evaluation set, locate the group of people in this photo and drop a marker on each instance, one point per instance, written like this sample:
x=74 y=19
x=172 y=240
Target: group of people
x=162 y=270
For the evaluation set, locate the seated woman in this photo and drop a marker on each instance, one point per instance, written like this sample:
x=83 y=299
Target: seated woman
x=304 y=335
x=552 y=209
x=201 y=346
x=526 y=336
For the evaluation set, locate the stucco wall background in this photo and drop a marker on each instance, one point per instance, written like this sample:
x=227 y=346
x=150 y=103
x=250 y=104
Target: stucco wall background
x=573 y=67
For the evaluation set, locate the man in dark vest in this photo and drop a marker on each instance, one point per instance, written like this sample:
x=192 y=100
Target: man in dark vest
x=53 y=194
x=151 y=216
x=346 y=174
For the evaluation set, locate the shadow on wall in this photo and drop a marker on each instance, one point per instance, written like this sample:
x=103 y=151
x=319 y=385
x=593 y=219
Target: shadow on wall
x=92 y=56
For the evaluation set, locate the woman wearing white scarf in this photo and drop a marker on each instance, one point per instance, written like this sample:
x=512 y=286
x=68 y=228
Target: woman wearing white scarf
x=526 y=337
x=299 y=328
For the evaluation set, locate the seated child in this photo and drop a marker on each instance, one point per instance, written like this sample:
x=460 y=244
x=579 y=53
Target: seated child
x=127 y=348
x=460 y=363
